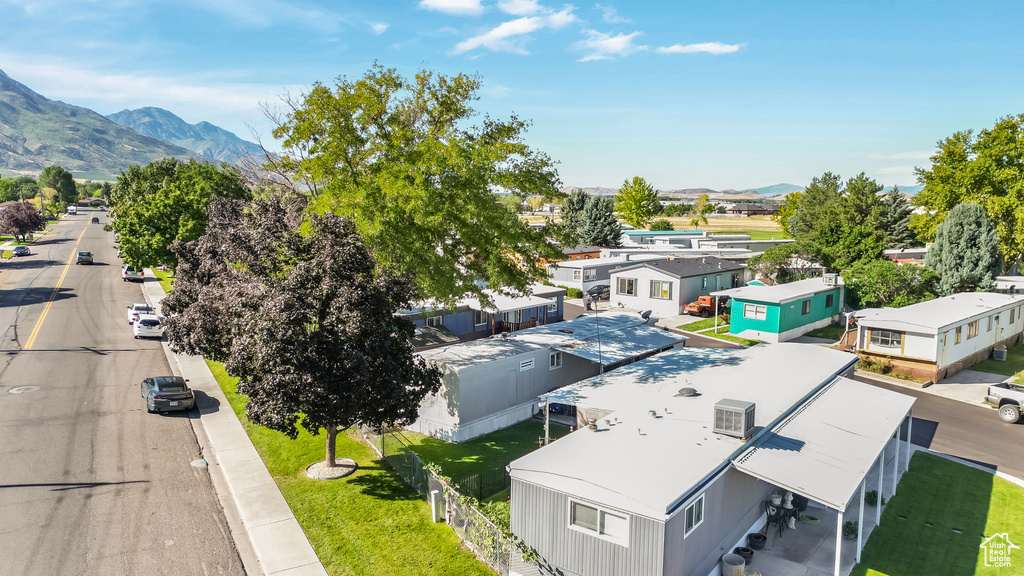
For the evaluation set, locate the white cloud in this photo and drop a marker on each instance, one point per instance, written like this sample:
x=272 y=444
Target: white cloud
x=454 y=7
x=706 y=47
x=509 y=36
x=611 y=15
x=378 y=28
x=603 y=46
x=519 y=7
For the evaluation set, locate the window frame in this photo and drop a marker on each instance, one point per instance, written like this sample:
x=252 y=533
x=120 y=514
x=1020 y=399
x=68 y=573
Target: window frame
x=555 y=360
x=577 y=274
x=805 y=307
x=973 y=328
x=760 y=311
x=630 y=286
x=956 y=335
x=704 y=283
x=830 y=300
x=695 y=504
x=435 y=320
x=887 y=339
x=661 y=284
x=484 y=318
x=602 y=513
x=589 y=274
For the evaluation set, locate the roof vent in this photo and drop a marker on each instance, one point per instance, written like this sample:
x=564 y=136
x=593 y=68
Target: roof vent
x=565 y=331
x=734 y=418
x=687 y=392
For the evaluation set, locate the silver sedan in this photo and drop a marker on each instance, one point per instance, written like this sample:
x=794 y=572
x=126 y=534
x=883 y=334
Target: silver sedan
x=166 y=393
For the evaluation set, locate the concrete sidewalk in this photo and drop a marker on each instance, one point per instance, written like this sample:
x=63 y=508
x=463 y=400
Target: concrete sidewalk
x=968 y=386
x=266 y=533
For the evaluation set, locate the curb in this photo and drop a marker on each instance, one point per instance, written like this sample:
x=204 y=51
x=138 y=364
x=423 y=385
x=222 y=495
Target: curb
x=904 y=384
x=275 y=544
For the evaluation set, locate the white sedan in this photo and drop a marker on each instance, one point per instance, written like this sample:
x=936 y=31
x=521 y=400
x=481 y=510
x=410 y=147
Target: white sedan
x=138 y=308
x=148 y=326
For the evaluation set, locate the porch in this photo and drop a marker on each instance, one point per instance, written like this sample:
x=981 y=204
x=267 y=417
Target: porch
x=810 y=549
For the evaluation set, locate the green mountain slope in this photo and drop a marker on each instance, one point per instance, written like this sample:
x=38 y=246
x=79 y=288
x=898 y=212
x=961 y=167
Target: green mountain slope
x=211 y=141
x=36 y=132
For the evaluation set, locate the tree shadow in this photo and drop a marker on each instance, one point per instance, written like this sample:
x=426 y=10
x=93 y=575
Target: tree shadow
x=379 y=481
x=33 y=295
x=28 y=263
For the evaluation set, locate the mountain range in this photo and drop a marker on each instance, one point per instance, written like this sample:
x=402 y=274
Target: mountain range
x=762 y=193
x=36 y=132
x=205 y=138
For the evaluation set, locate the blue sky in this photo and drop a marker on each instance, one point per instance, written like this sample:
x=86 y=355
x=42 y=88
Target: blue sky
x=727 y=94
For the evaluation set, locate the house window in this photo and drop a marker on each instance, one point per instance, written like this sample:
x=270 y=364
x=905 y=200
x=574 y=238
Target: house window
x=805 y=307
x=704 y=283
x=1011 y=315
x=755 y=311
x=552 y=308
x=555 y=360
x=479 y=317
x=661 y=290
x=956 y=335
x=694 y=515
x=577 y=274
x=589 y=275
x=526 y=365
x=611 y=525
x=887 y=338
x=829 y=300
x=989 y=329
x=434 y=321
x=735 y=280
x=626 y=287
x=972 y=329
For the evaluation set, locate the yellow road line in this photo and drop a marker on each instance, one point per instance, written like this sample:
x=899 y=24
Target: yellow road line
x=39 y=323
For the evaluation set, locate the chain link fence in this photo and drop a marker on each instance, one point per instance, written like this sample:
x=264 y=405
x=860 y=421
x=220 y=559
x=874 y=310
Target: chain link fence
x=485 y=539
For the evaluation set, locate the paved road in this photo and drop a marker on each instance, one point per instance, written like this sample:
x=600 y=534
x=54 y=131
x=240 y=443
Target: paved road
x=973 y=433
x=89 y=482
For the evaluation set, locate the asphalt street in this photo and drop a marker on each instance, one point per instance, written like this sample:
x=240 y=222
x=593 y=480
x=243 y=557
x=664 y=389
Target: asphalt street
x=973 y=433
x=90 y=483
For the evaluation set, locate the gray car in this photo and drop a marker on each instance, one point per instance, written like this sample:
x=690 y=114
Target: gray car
x=166 y=393
x=21 y=251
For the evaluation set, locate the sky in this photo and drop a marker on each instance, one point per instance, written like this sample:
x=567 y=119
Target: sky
x=725 y=94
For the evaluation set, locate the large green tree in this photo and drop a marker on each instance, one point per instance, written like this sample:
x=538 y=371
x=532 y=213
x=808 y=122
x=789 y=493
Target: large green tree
x=60 y=180
x=965 y=253
x=637 y=202
x=164 y=201
x=882 y=282
x=895 y=220
x=987 y=170
x=400 y=158
x=572 y=209
x=598 y=226
x=295 y=309
x=700 y=212
x=788 y=207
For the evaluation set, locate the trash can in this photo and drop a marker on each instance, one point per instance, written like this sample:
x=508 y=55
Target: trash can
x=733 y=565
x=999 y=353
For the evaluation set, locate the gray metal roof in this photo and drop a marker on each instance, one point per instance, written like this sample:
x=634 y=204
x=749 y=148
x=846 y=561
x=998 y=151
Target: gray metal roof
x=607 y=261
x=689 y=266
x=646 y=464
x=607 y=337
x=779 y=293
x=934 y=316
x=825 y=449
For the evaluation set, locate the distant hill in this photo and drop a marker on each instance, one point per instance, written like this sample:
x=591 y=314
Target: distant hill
x=908 y=190
x=777 y=190
x=205 y=138
x=682 y=194
x=36 y=132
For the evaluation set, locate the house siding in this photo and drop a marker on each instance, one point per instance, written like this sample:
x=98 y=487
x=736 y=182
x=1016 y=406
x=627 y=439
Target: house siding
x=684 y=290
x=786 y=321
x=732 y=504
x=576 y=552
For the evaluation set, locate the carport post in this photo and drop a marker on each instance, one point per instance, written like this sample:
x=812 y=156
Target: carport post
x=839 y=538
x=910 y=451
x=896 y=461
x=878 y=505
x=716 y=316
x=547 y=421
x=860 y=520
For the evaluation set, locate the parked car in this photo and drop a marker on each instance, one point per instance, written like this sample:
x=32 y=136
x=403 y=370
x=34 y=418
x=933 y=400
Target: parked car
x=84 y=257
x=599 y=292
x=148 y=326
x=165 y=393
x=129 y=273
x=21 y=251
x=138 y=309
x=95 y=220
x=1008 y=398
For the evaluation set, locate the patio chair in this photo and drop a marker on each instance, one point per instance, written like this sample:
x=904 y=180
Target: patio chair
x=776 y=515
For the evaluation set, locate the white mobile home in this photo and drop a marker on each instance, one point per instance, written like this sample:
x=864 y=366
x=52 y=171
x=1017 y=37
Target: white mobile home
x=938 y=338
x=667 y=286
x=493 y=383
x=583 y=274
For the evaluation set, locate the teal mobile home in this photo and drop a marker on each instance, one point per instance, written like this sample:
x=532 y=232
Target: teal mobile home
x=784 y=311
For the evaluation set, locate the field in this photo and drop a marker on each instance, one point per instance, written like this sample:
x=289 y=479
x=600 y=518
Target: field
x=759 y=227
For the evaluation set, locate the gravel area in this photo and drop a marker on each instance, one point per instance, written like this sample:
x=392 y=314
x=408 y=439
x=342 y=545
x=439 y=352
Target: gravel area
x=321 y=471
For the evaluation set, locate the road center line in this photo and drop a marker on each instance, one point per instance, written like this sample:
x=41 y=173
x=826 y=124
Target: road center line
x=67 y=266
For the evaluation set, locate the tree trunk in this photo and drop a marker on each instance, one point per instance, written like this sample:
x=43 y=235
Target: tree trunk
x=332 y=435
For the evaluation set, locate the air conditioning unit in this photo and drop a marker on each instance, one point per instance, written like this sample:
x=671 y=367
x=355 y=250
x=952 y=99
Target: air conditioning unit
x=734 y=418
x=830 y=279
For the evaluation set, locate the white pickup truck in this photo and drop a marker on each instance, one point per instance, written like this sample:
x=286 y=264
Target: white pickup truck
x=1009 y=398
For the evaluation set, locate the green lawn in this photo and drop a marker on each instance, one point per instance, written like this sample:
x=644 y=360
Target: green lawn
x=700 y=325
x=368 y=523
x=938 y=519
x=830 y=332
x=1013 y=366
x=758 y=234
x=708 y=325
x=494 y=450
x=166 y=280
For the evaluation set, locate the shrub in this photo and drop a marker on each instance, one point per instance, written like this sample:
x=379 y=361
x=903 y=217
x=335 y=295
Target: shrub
x=871 y=498
x=661 y=225
x=573 y=293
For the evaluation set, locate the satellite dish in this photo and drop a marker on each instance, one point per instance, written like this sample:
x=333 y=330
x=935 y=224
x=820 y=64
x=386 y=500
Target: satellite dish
x=645 y=315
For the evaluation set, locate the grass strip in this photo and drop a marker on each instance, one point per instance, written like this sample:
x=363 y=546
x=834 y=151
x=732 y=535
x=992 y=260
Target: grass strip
x=368 y=523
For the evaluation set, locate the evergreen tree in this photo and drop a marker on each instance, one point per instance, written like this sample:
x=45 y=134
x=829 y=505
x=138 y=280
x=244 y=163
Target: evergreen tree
x=895 y=221
x=598 y=226
x=572 y=209
x=966 y=251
